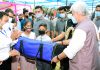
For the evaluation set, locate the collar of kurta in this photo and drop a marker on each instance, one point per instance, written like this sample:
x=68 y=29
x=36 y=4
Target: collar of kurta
x=84 y=20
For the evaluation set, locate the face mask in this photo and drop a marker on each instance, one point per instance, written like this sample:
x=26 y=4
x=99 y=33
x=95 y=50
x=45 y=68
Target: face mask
x=69 y=16
x=41 y=32
x=28 y=29
x=58 y=15
x=26 y=16
x=10 y=20
x=20 y=20
x=30 y=17
x=38 y=15
x=62 y=15
x=97 y=13
x=72 y=18
x=5 y=26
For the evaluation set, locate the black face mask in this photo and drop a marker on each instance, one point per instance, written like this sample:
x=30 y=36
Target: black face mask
x=20 y=19
x=41 y=32
x=26 y=16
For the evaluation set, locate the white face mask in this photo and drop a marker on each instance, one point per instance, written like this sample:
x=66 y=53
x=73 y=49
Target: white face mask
x=5 y=26
x=38 y=15
x=10 y=20
x=62 y=15
x=72 y=18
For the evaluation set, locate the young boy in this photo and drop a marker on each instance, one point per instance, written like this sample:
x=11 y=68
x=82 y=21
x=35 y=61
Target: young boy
x=43 y=65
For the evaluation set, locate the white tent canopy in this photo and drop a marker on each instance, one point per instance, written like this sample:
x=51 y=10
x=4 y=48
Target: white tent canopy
x=54 y=3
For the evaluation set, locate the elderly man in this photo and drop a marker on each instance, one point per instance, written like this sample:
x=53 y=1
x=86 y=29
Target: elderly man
x=82 y=50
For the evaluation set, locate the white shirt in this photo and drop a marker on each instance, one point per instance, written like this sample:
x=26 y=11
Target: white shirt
x=8 y=27
x=44 y=38
x=76 y=43
x=5 y=42
x=31 y=35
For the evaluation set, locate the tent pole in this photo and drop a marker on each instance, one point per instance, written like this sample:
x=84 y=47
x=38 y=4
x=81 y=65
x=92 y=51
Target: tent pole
x=57 y=2
x=92 y=5
x=34 y=3
x=66 y=2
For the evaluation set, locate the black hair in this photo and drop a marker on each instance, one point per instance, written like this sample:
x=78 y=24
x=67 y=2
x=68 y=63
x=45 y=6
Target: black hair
x=33 y=16
x=62 y=8
x=97 y=6
x=27 y=21
x=44 y=25
x=25 y=10
x=37 y=7
x=68 y=7
x=2 y=14
x=31 y=13
x=9 y=10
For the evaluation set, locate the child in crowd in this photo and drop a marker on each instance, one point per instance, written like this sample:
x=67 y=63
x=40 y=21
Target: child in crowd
x=43 y=65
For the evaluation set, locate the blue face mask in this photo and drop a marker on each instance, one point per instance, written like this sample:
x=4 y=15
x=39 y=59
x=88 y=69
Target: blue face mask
x=97 y=13
x=39 y=15
x=30 y=17
x=58 y=15
x=62 y=15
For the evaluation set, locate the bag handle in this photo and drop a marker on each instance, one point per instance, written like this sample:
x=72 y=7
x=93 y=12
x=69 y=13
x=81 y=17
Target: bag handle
x=21 y=47
x=40 y=50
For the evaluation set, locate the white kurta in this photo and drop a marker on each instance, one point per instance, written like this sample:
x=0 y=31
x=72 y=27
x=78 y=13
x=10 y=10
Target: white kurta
x=5 y=42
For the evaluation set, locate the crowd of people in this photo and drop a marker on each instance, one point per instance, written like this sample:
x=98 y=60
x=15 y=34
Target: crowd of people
x=72 y=28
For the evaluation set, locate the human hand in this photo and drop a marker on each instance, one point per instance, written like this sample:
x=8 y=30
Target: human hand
x=1 y=62
x=59 y=42
x=14 y=53
x=15 y=34
x=53 y=40
x=54 y=60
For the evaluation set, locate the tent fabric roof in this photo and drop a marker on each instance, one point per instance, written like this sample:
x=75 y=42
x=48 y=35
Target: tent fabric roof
x=89 y=2
x=53 y=3
x=4 y=5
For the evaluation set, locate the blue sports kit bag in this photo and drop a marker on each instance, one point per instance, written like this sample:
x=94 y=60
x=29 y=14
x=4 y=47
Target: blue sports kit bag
x=35 y=49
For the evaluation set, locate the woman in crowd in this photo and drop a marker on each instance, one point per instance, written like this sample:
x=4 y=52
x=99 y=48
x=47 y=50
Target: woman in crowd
x=24 y=63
